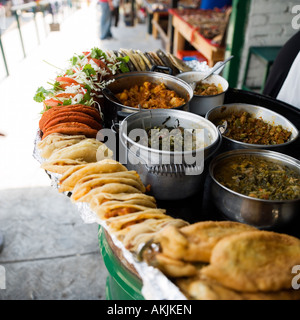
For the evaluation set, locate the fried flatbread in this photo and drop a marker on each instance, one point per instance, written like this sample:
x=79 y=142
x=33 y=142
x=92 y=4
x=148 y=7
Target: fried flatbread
x=116 y=208
x=137 y=198
x=203 y=288
x=56 y=141
x=93 y=112
x=85 y=150
x=70 y=178
x=118 y=223
x=123 y=174
x=173 y=268
x=71 y=128
x=88 y=177
x=179 y=64
x=61 y=165
x=81 y=189
x=79 y=117
x=107 y=188
x=254 y=261
x=135 y=235
x=196 y=241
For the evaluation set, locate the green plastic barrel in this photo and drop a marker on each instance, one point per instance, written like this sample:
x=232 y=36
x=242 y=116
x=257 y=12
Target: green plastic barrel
x=121 y=283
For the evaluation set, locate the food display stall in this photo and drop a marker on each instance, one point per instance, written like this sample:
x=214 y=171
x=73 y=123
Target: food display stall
x=203 y=29
x=162 y=233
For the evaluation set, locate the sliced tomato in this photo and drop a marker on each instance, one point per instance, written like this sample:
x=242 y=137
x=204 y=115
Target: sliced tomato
x=101 y=64
x=52 y=103
x=65 y=95
x=66 y=82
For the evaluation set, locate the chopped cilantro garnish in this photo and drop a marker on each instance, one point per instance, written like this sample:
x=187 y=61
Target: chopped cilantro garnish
x=123 y=63
x=89 y=70
x=67 y=102
x=74 y=60
x=40 y=94
x=97 y=53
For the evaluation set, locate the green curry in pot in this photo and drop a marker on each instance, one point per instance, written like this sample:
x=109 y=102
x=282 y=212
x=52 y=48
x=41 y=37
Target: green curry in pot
x=257 y=177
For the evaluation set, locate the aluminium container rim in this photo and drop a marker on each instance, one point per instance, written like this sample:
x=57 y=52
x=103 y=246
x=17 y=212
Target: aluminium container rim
x=252 y=145
x=277 y=156
x=184 y=84
x=208 y=96
x=172 y=153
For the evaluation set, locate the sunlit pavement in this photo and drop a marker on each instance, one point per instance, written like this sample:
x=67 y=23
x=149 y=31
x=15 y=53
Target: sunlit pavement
x=43 y=230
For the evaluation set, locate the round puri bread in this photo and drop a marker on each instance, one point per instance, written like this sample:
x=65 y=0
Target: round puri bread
x=254 y=261
x=72 y=117
x=71 y=128
x=91 y=111
x=196 y=241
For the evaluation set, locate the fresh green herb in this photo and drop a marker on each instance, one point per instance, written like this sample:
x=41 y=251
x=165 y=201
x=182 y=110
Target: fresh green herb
x=67 y=102
x=97 y=53
x=41 y=94
x=123 y=63
x=69 y=72
x=89 y=70
x=56 y=86
x=74 y=60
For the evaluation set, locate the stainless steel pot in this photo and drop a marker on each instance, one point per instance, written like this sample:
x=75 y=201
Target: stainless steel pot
x=171 y=175
x=130 y=79
x=256 y=212
x=257 y=112
x=202 y=104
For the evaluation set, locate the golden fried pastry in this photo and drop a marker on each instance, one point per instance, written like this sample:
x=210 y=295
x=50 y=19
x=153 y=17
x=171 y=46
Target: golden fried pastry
x=203 y=288
x=172 y=268
x=83 y=187
x=121 y=222
x=137 y=198
x=254 y=261
x=102 y=200
x=69 y=180
x=85 y=150
x=116 y=208
x=196 y=241
x=113 y=188
x=135 y=235
x=61 y=165
x=57 y=141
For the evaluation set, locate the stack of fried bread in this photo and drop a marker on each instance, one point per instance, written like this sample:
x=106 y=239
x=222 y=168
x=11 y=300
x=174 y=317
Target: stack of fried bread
x=118 y=197
x=63 y=152
x=226 y=260
x=71 y=120
x=207 y=260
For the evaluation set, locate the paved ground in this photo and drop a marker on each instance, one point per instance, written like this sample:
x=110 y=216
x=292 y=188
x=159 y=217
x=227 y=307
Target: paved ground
x=49 y=252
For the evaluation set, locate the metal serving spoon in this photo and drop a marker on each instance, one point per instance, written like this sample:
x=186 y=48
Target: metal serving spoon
x=216 y=67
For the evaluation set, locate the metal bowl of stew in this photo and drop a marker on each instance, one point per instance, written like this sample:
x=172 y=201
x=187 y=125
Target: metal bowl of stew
x=262 y=200
x=129 y=80
x=201 y=104
x=270 y=117
x=171 y=175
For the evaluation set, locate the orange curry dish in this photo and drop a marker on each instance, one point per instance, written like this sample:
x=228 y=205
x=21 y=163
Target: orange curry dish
x=150 y=96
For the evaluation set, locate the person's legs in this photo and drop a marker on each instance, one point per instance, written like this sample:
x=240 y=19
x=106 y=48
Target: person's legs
x=105 y=21
x=116 y=15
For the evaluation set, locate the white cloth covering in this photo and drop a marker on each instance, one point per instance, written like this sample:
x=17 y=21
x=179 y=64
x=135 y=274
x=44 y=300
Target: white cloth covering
x=290 y=90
